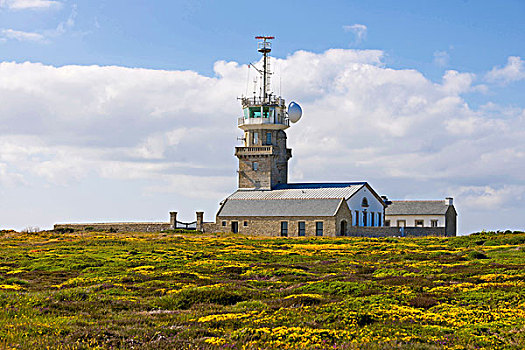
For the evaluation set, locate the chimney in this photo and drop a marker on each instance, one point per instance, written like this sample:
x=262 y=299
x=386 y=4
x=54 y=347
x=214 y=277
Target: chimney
x=173 y=220
x=200 y=220
x=385 y=200
x=449 y=201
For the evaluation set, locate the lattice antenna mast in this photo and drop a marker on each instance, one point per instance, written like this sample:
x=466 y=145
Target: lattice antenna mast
x=265 y=47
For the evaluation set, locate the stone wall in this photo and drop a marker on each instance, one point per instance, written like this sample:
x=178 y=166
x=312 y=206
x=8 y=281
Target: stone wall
x=264 y=226
x=272 y=159
x=451 y=218
x=117 y=226
x=271 y=226
x=396 y=231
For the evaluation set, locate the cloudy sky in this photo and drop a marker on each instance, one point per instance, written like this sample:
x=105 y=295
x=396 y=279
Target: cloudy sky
x=125 y=110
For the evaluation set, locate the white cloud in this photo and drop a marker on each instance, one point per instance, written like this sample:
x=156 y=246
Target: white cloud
x=42 y=36
x=21 y=36
x=29 y=4
x=66 y=25
x=441 y=58
x=359 y=31
x=488 y=198
x=513 y=71
x=174 y=131
x=457 y=83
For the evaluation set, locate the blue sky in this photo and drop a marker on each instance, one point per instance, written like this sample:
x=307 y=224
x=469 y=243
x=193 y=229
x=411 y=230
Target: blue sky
x=461 y=60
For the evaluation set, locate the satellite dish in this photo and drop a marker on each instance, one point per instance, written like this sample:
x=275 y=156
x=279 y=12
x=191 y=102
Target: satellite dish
x=294 y=112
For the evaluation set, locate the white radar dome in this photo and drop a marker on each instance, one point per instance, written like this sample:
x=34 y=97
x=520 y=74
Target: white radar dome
x=294 y=112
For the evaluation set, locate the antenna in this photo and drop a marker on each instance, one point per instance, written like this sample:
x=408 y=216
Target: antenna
x=247 y=80
x=280 y=80
x=265 y=47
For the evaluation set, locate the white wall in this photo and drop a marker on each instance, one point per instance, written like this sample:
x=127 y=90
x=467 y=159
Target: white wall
x=411 y=219
x=374 y=206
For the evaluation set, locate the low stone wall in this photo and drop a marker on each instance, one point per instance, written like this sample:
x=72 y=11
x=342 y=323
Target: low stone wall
x=425 y=231
x=264 y=227
x=117 y=226
x=395 y=231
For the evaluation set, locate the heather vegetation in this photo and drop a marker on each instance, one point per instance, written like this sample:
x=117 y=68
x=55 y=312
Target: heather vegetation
x=102 y=290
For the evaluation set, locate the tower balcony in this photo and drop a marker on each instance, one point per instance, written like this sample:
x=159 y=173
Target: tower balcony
x=273 y=123
x=254 y=151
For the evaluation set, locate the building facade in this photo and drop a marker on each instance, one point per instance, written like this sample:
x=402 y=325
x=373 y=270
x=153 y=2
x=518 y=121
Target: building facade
x=423 y=213
x=315 y=204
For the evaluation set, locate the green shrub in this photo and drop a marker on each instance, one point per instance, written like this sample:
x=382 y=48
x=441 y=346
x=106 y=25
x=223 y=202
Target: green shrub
x=71 y=294
x=477 y=255
x=64 y=230
x=333 y=288
x=249 y=305
x=423 y=301
x=186 y=298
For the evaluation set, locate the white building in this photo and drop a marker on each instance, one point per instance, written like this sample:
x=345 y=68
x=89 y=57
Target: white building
x=423 y=213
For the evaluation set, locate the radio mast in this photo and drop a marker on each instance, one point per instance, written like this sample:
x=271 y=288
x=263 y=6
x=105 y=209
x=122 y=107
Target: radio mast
x=265 y=47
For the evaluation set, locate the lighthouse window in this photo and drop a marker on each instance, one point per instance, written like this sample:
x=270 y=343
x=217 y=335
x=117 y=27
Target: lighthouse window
x=268 y=138
x=255 y=138
x=255 y=166
x=266 y=112
x=255 y=112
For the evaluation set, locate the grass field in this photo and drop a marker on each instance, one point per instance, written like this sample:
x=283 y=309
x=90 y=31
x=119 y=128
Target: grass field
x=170 y=291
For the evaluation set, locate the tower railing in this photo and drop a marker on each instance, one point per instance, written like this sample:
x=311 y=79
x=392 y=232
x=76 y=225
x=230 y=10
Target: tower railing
x=254 y=150
x=251 y=121
x=259 y=101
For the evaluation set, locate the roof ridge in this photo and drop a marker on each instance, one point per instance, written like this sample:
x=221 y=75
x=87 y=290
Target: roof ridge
x=417 y=200
x=280 y=199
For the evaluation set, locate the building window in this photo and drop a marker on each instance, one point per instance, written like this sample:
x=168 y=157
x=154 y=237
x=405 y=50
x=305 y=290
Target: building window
x=419 y=223
x=255 y=166
x=302 y=228
x=401 y=223
x=284 y=228
x=245 y=223
x=224 y=223
x=372 y=217
x=319 y=228
x=378 y=219
x=433 y=223
x=255 y=138
x=268 y=138
x=365 y=217
x=357 y=217
x=364 y=202
x=387 y=223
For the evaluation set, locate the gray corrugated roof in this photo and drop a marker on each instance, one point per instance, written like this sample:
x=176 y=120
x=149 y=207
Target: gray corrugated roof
x=416 y=208
x=280 y=207
x=301 y=192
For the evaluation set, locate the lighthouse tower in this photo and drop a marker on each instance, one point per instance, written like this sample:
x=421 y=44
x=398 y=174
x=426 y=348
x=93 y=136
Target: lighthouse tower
x=263 y=160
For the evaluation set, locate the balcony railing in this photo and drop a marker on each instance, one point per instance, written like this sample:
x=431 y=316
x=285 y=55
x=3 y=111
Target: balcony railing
x=258 y=121
x=259 y=101
x=255 y=150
